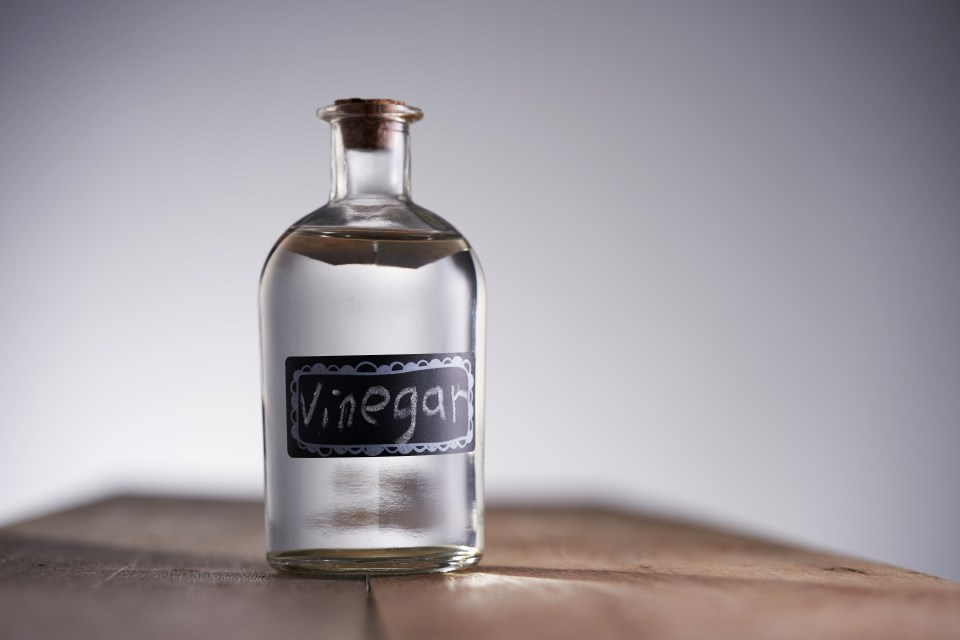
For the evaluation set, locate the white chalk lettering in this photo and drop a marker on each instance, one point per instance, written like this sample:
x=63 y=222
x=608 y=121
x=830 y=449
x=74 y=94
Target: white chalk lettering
x=308 y=415
x=400 y=409
x=353 y=406
x=365 y=408
x=455 y=394
x=409 y=412
x=435 y=391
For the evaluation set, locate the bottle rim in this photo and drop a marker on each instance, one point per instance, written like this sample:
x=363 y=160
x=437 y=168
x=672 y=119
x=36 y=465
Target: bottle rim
x=379 y=108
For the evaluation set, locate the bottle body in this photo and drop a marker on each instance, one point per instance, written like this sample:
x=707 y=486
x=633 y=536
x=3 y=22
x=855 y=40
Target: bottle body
x=372 y=338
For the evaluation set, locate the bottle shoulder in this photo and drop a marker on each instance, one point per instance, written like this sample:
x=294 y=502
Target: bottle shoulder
x=371 y=231
x=391 y=233
x=376 y=214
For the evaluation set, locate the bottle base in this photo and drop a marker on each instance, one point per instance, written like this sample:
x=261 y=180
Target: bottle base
x=358 y=562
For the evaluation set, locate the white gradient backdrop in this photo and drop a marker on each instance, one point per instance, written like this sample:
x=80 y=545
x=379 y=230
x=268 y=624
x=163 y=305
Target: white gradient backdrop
x=747 y=215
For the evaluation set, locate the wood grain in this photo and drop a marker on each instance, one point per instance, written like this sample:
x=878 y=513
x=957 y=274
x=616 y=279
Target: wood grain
x=164 y=567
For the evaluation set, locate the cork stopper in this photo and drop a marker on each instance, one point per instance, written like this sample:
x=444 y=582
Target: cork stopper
x=370 y=124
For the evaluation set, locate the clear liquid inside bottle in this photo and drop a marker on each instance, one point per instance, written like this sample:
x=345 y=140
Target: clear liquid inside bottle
x=336 y=291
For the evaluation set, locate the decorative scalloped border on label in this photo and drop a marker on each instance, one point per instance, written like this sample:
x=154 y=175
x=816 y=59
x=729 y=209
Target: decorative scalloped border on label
x=365 y=367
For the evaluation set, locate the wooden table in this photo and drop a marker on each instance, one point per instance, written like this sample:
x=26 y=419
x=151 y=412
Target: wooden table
x=136 y=567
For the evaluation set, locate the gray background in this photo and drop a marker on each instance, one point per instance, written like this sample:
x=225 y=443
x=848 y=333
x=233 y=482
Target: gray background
x=746 y=213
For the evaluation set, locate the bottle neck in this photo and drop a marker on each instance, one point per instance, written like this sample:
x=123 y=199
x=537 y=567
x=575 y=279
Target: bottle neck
x=364 y=167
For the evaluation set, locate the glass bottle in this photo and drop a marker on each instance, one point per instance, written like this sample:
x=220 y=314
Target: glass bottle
x=372 y=339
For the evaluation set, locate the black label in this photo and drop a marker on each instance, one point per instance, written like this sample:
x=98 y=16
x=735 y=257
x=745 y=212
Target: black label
x=393 y=405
